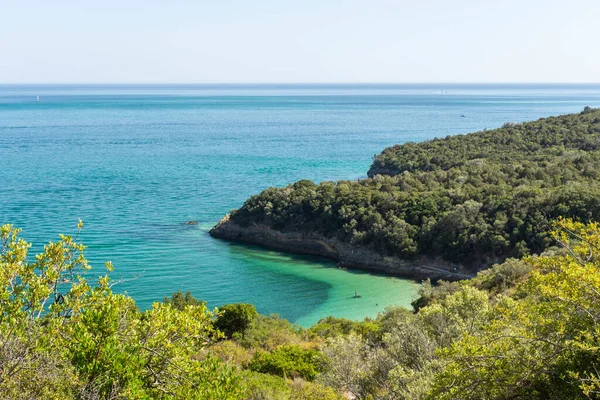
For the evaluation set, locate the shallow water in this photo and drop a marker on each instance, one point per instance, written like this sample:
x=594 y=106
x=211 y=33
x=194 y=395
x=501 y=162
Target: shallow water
x=136 y=162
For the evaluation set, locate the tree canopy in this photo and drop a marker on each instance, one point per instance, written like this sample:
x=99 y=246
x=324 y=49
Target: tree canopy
x=235 y=318
x=474 y=200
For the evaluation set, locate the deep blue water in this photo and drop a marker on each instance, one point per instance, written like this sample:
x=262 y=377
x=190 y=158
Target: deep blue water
x=135 y=162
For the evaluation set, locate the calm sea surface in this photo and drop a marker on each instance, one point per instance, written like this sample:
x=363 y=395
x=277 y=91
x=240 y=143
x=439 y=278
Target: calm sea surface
x=136 y=162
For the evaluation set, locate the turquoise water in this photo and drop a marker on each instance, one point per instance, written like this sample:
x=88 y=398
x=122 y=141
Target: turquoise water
x=135 y=162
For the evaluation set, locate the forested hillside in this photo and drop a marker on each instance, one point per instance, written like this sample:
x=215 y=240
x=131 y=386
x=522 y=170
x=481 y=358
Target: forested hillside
x=531 y=142
x=471 y=200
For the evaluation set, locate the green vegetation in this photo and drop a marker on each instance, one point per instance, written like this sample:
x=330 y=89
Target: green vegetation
x=526 y=328
x=534 y=336
x=521 y=329
x=474 y=200
x=63 y=337
x=529 y=143
x=235 y=318
x=288 y=361
x=180 y=301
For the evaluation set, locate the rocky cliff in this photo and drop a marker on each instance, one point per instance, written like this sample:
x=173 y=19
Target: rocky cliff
x=347 y=256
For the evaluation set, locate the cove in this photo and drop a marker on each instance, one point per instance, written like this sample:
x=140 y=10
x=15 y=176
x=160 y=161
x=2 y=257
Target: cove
x=136 y=162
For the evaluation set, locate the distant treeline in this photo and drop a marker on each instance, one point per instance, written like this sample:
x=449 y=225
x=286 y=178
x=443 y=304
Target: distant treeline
x=471 y=199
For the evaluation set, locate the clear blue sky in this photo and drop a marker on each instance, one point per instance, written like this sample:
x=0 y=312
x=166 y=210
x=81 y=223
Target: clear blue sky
x=299 y=41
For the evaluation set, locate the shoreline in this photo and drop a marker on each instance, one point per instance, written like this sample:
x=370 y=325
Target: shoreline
x=347 y=256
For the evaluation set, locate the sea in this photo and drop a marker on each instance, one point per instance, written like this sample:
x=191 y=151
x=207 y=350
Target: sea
x=137 y=162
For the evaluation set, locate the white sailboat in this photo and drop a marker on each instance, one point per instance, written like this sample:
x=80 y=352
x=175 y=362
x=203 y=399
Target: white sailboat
x=37 y=99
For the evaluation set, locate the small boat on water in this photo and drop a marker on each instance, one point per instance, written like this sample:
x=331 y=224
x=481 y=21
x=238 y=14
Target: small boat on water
x=37 y=99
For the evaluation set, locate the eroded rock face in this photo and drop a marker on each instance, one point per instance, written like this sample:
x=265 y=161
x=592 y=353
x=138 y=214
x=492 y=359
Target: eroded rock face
x=349 y=256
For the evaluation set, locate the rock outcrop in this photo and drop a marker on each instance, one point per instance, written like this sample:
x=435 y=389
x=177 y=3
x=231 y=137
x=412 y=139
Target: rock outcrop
x=348 y=256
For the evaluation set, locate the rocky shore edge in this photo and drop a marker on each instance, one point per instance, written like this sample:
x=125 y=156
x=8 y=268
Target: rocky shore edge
x=347 y=256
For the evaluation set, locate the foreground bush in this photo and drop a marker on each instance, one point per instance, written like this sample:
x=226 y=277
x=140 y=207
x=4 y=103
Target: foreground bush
x=235 y=318
x=542 y=342
x=62 y=337
x=524 y=329
x=521 y=330
x=289 y=361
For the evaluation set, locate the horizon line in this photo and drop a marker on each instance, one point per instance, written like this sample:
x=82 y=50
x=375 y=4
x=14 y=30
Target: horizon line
x=307 y=83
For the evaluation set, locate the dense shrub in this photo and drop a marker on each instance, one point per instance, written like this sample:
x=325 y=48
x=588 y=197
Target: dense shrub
x=288 y=361
x=522 y=329
x=302 y=390
x=235 y=318
x=270 y=332
x=525 y=329
x=61 y=336
x=265 y=386
x=180 y=301
x=331 y=327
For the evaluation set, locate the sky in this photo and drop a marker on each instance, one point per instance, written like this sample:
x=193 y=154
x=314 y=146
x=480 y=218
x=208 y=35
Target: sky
x=316 y=41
